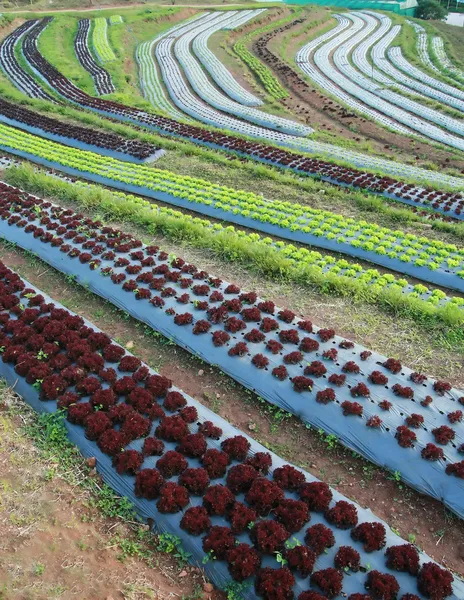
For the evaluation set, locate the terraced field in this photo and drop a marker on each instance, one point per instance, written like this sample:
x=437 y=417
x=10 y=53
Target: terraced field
x=186 y=170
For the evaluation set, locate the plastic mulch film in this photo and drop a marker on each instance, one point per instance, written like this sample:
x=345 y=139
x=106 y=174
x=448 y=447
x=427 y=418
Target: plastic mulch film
x=375 y=444
x=441 y=276
x=170 y=523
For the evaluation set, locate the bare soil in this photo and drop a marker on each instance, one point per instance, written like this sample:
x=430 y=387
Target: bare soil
x=416 y=517
x=54 y=544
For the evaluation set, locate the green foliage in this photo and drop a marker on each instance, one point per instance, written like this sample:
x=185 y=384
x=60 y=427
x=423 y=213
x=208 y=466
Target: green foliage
x=431 y=9
x=39 y=569
x=115 y=20
x=269 y=81
x=172 y=544
x=263 y=73
x=111 y=505
x=329 y=439
x=235 y=590
x=271 y=260
x=100 y=40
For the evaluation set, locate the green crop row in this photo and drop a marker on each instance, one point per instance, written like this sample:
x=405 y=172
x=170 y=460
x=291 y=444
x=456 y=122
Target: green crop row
x=100 y=40
x=269 y=81
x=263 y=73
x=345 y=234
x=261 y=254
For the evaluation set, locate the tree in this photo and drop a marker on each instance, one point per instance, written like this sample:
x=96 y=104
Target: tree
x=430 y=9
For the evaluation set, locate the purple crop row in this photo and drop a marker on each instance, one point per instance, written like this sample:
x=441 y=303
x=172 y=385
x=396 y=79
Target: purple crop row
x=12 y=68
x=421 y=415
x=115 y=398
x=100 y=76
x=108 y=141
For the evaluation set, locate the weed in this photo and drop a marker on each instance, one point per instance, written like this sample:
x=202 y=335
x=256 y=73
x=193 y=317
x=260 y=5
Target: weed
x=293 y=543
x=369 y=472
x=39 y=569
x=208 y=557
x=235 y=590
x=396 y=476
x=171 y=544
x=330 y=439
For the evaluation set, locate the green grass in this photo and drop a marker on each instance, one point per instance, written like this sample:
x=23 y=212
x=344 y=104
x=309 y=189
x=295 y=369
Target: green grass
x=57 y=44
x=407 y=40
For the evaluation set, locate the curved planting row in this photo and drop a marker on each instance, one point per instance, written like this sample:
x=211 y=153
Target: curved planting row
x=363 y=61
x=265 y=75
x=278 y=65
x=382 y=57
x=429 y=260
x=209 y=105
x=399 y=107
x=150 y=80
x=403 y=71
x=214 y=97
x=101 y=77
x=397 y=58
x=386 y=106
x=448 y=67
x=441 y=201
x=305 y=58
x=233 y=505
x=77 y=136
x=286 y=260
x=218 y=71
x=422 y=45
x=393 y=416
x=100 y=42
x=13 y=70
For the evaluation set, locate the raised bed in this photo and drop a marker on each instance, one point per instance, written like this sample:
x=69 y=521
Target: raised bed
x=76 y=136
x=394 y=417
x=197 y=477
x=13 y=70
x=381 y=104
x=301 y=258
x=218 y=71
x=196 y=76
x=425 y=259
x=100 y=41
x=442 y=201
x=101 y=77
